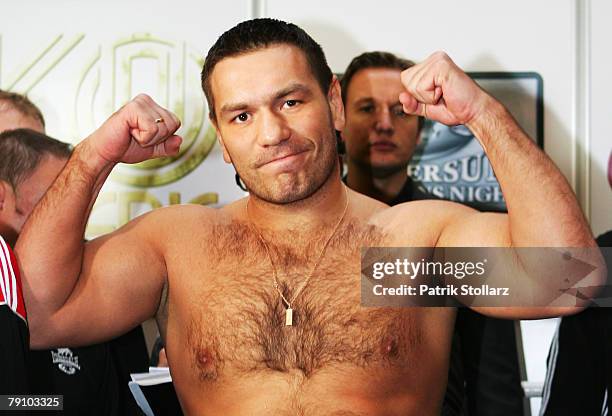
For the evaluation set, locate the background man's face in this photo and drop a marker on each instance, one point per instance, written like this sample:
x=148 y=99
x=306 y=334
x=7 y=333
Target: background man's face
x=11 y=119
x=378 y=135
x=275 y=124
x=17 y=204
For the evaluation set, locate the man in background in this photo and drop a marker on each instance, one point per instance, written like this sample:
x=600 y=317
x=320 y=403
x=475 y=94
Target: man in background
x=14 y=340
x=17 y=111
x=579 y=374
x=380 y=139
x=29 y=163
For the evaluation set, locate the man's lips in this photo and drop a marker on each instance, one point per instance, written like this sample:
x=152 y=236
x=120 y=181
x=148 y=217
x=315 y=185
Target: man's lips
x=284 y=158
x=383 y=146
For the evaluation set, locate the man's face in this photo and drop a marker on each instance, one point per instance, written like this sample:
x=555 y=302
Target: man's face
x=275 y=124
x=11 y=119
x=16 y=205
x=379 y=136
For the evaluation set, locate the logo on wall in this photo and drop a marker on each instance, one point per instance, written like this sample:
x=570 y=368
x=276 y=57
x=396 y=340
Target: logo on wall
x=164 y=69
x=452 y=165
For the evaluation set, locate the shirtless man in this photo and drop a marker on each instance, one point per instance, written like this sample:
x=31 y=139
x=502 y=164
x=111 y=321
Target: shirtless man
x=215 y=278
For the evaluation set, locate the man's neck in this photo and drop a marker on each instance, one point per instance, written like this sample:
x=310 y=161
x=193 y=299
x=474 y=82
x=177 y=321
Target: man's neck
x=319 y=210
x=384 y=189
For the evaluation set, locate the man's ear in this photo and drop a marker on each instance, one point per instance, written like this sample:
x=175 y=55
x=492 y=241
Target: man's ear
x=4 y=189
x=7 y=198
x=226 y=155
x=334 y=97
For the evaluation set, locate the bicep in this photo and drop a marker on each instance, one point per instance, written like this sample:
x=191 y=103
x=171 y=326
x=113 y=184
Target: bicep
x=119 y=287
x=465 y=227
x=532 y=298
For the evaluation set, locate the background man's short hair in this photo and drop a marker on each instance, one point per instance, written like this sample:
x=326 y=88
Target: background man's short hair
x=22 y=150
x=22 y=104
x=375 y=59
x=255 y=34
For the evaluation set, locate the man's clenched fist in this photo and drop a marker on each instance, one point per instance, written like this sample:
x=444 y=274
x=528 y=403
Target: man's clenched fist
x=438 y=89
x=138 y=131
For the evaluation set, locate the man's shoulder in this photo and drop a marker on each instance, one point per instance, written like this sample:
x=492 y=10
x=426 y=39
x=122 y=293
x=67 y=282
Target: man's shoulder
x=427 y=208
x=180 y=223
x=418 y=223
x=162 y=227
x=174 y=217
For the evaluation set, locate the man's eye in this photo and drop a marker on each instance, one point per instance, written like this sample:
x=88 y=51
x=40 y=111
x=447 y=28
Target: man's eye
x=291 y=103
x=241 y=118
x=367 y=109
x=399 y=112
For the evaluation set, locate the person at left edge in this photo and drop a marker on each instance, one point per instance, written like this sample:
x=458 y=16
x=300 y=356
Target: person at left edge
x=92 y=379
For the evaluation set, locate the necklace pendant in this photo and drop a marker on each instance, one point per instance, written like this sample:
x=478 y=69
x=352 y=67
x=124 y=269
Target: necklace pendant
x=289 y=317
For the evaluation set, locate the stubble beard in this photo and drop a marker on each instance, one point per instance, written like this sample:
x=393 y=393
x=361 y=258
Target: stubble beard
x=295 y=189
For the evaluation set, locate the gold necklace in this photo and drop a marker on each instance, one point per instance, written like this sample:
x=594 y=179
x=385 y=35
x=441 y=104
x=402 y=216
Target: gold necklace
x=288 y=304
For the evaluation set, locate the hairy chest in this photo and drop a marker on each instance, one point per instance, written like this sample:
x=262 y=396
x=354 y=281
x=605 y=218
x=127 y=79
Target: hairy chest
x=236 y=319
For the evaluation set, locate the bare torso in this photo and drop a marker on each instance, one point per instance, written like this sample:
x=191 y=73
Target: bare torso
x=230 y=352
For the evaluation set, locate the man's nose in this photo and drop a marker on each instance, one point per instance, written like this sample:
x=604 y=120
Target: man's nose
x=273 y=129
x=384 y=123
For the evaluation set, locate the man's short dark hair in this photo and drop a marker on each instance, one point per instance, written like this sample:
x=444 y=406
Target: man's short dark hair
x=21 y=151
x=255 y=34
x=376 y=59
x=22 y=104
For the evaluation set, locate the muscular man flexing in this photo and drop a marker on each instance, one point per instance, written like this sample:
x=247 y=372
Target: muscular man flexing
x=224 y=283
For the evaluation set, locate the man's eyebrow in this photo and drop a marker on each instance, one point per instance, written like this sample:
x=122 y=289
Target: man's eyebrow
x=290 y=89
x=368 y=100
x=364 y=100
x=230 y=108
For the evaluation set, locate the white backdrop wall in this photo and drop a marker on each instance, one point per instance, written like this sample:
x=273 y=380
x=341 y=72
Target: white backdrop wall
x=80 y=61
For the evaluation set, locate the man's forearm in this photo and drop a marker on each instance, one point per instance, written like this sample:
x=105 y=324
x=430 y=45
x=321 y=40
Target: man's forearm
x=50 y=247
x=542 y=208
